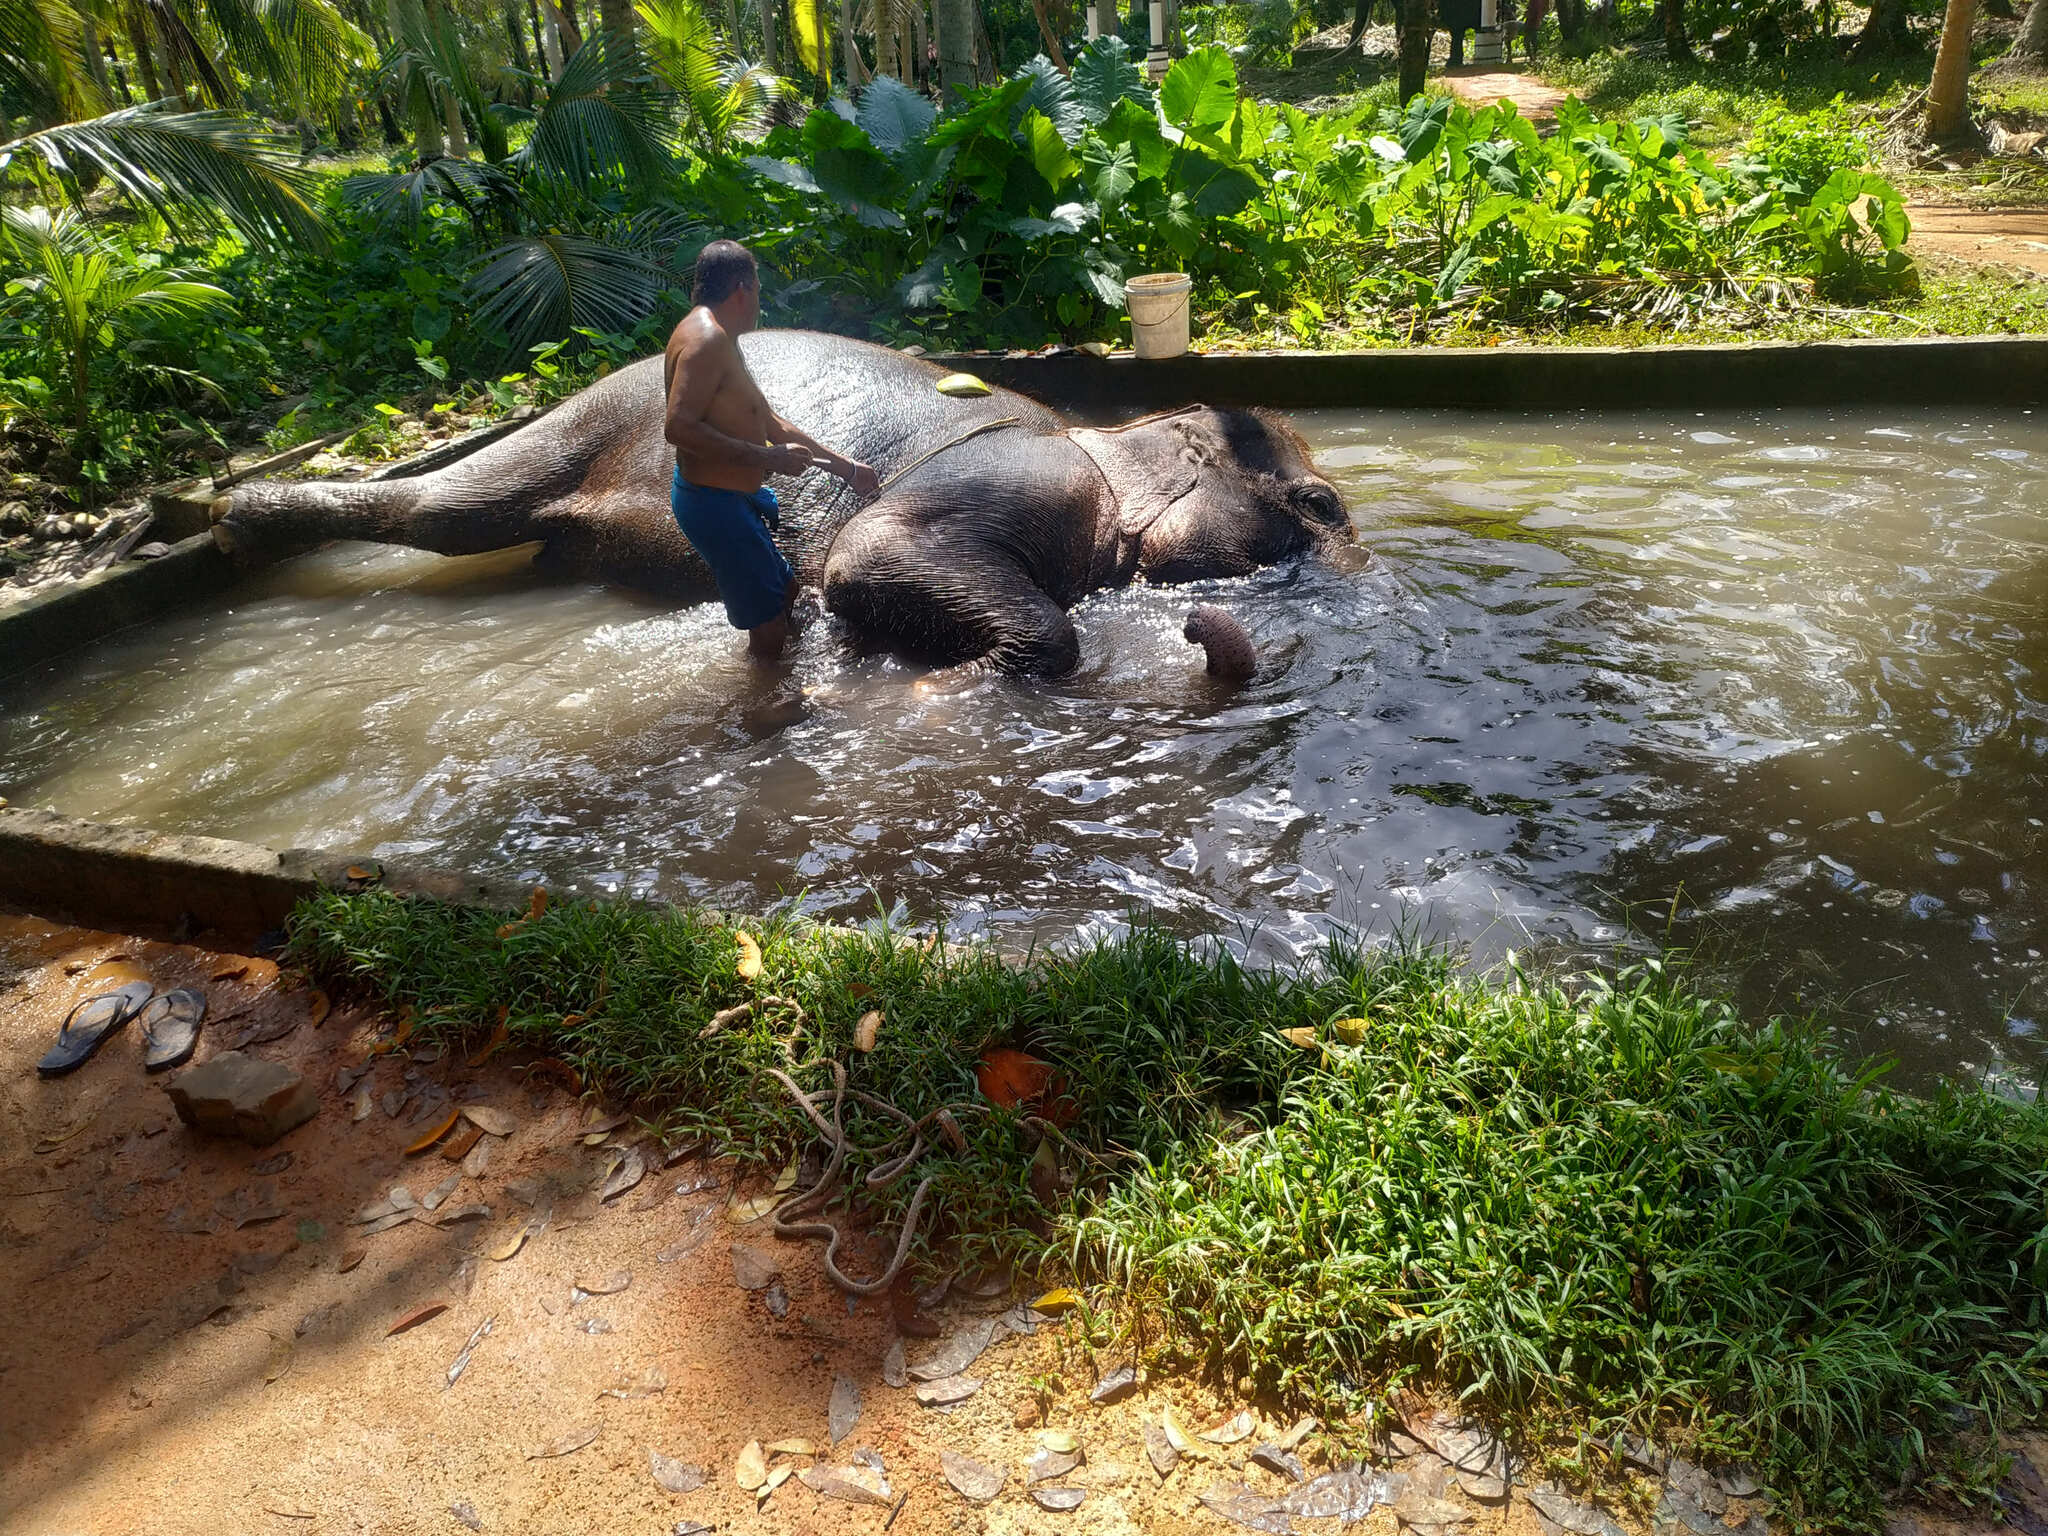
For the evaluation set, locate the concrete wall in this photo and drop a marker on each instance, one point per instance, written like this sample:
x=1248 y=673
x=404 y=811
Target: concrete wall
x=1941 y=371
x=129 y=878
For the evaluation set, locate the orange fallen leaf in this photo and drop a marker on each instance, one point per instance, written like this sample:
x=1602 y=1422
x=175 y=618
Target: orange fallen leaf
x=441 y=1128
x=507 y=930
x=749 y=966
x=571 y=1020
x=362 y=874
x=499 y=1037
x=864 y=1032
x=1009 y=1078
x=408 y=1021
x=233 y=972
x=538 y=906
x=560 y=1071
x=350 y=1260
x=416 y=1316
x=859 y=989
x=459 y=1144
x=321 y=1008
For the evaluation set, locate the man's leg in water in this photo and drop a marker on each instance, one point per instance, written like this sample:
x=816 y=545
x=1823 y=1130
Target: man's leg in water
x=766 y=641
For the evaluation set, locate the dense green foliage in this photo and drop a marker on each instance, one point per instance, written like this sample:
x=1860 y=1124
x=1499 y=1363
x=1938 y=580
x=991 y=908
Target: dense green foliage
x=1614 y=1202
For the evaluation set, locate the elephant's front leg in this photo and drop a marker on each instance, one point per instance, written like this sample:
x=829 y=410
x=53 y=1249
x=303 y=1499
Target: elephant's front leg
x=943 y=593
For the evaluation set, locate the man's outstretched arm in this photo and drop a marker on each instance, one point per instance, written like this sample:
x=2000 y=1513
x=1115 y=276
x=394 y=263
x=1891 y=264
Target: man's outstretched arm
x=856 y=474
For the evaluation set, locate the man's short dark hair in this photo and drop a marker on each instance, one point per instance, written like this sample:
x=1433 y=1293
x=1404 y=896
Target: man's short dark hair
x=723 y=268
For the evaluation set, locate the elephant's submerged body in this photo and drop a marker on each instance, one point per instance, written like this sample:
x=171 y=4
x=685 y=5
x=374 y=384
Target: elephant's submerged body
x=995 y=516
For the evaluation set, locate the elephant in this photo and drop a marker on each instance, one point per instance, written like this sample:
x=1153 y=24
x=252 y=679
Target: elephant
x=994 y=516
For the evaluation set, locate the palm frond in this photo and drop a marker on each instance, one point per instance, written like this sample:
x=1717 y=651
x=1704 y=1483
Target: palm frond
x=543 y=287
x=42 y=62
x=401 y=198
x=721 y=93
x=178 y=164
x=601 y=118
x=303 y=48
x=177 y=24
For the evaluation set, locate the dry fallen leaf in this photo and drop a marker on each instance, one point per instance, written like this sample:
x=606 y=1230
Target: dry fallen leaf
x=456 y=1147
x=1350 y=1031
x=744 y=1211
x=57 y=1138
x=1232 y=1430
x=672 y=1475
x=537 y=906
x=570 y=1440
x=441 y=1128
x=461 y=1361
x=415 y=1317
x=624 y=1175
x=749 y=967
x=280 y=1360
x=499 y=1036
x=1054 y=1302
x=864 y=1032
x=363 y=874
x=1304 y=1038
x=797 y=1446
x=787 y=1178
x=1175 y=1435
x=350 y=1259
x=751 y=1470
x=776 y=1479
x=489 y=1119
x=408 y=1021
x=321 y=1007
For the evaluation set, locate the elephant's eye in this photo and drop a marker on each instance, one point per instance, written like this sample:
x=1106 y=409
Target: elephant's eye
x=1321 y=504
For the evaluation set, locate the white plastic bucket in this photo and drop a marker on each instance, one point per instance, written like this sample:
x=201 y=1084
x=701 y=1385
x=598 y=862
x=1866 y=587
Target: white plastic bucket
x=1158 y=303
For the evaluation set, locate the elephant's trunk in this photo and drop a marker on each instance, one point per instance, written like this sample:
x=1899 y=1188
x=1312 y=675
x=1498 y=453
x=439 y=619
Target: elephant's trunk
x=270 y=520
x=1227 y=643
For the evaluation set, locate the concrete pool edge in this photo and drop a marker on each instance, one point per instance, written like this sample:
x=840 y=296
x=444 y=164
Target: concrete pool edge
x=2006 y=371
x=117 y=597
x=97 y=875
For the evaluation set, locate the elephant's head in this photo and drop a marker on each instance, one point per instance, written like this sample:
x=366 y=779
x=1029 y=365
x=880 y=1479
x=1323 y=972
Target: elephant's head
x=1206 y=492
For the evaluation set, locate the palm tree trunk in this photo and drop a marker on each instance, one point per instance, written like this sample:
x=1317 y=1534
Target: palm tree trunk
x=885 y=39
x=550 y=35
x=1416 y=22
x=618 y=20
x=1948 y=93
x=2030 y=48
x=953 y=20
x=732 y=27
x=768 y=30
x=515 y=33
x=95 y=55
x=920 y=63
x=1051 y=38
x=138 y=40
x=1106 y=20
x=1677 y=46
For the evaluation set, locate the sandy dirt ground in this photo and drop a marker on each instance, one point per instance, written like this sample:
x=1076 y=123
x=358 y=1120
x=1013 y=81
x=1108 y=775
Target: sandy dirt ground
x=202 y=1340
x=1534 y=97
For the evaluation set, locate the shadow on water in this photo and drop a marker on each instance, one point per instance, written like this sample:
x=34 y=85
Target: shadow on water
x=1767 y=687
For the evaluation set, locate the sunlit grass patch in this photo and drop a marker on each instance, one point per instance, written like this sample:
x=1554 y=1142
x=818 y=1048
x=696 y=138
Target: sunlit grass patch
x=1590 y=1205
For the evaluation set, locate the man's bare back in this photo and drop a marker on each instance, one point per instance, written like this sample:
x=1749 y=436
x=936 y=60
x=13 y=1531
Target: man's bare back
x=708 y=386
x=728 y=441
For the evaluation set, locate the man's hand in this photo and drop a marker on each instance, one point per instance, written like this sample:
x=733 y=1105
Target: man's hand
x=861 y=477
x=788 y=459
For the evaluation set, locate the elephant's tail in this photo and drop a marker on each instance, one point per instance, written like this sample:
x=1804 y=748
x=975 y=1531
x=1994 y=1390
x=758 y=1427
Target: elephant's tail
x=1227 y=643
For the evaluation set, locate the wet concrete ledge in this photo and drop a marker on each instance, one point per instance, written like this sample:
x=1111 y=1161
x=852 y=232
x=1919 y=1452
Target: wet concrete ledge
x=1937 y=371
x=133 y=879
x=77 y=613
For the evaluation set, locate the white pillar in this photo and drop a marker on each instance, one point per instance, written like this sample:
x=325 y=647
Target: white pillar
x=1088 y=10
x=1486 y=43
x=1155 y=60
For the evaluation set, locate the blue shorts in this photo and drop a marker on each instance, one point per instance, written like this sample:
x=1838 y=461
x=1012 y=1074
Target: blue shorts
x=730 y=530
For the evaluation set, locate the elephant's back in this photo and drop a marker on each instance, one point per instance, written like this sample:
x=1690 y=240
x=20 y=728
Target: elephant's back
x=874 y=403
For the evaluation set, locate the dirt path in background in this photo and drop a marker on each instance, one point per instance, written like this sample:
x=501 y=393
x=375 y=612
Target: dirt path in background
x=1534 y=97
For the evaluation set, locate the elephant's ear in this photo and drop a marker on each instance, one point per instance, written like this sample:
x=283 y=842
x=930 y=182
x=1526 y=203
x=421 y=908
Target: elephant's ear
x=1148 y=466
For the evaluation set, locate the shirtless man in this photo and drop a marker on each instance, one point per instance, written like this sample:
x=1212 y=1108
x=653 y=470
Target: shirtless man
x=728 y=440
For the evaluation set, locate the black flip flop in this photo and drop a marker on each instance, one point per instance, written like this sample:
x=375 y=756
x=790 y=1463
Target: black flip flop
x=89 y=1025
x=170 y=1029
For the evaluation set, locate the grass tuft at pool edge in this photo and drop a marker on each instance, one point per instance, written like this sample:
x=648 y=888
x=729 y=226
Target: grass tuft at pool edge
x=1586 y=1206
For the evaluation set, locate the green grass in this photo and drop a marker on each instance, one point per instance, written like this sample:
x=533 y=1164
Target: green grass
x=1587 y=1206
x=1725 y=102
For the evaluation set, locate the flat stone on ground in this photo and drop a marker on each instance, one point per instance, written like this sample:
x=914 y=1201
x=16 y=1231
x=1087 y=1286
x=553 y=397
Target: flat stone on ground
x=245 y=1097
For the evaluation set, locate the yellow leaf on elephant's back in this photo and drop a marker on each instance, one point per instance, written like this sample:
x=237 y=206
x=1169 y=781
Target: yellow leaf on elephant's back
x=750 y=955
x=961 y=386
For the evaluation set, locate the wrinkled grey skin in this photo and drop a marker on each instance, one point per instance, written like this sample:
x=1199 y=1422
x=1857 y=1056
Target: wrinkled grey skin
x=971 y=558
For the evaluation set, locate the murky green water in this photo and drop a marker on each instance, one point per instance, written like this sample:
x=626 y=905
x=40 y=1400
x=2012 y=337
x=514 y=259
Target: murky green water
x=1769 y=684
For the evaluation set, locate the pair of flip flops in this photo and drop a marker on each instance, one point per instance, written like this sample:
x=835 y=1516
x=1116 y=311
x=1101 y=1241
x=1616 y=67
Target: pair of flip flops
x=170 y=1027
